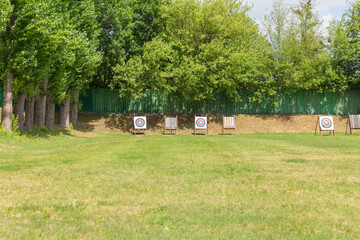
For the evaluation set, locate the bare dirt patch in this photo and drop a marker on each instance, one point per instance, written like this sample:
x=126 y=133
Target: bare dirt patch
x=122 y=123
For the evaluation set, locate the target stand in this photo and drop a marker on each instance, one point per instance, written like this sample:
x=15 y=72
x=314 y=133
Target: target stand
x=326 y=124
x=139 y=124
x=170 y=123
x=353 y=122
x=228 y=123
x=201 y=124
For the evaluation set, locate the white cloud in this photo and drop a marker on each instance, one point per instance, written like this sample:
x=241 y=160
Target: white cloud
x=261 y=7
x=326 y=20
x=326 y=5
x=327 y=9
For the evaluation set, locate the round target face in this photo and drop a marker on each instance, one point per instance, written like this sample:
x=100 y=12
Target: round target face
x=200 y=122
x=326 y=123
x=140 y=122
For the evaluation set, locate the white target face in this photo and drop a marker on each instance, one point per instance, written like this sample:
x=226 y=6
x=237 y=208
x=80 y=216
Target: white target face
x=200 y=122
x=140 y=122
x=326 y=123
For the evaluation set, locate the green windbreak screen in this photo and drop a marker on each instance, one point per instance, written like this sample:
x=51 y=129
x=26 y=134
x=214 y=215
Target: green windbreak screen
x=106 y=101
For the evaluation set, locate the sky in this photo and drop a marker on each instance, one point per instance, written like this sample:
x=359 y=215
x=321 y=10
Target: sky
x=327 y=9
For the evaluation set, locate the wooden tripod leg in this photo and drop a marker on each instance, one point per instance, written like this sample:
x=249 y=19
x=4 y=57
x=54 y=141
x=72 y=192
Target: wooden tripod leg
x=223 y=129
x=134 y=130
x=207 y=124
x=350 y=126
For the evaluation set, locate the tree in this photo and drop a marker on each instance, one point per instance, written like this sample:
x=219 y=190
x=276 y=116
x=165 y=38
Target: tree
x=25 y=54
x=6 y=23
x=125 y=27
x=344 y=44
x=206 y=46
x=82 y=45
x=40 y=35
x=278 y=25
x=44 y=38
x=301 y=61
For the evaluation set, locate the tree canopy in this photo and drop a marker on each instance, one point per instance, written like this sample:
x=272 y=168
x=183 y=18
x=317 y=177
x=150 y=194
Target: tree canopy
x=206 y=46
x=344 y=45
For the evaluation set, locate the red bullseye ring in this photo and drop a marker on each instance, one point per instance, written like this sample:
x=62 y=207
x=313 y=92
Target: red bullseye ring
x=326 y=123
x=140 y=122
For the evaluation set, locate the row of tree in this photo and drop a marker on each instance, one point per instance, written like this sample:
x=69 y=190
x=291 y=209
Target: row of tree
x=48 y=53
x=52 y=50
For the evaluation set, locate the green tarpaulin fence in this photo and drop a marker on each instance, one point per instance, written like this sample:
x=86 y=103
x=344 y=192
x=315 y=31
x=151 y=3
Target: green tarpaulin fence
x=106 y=101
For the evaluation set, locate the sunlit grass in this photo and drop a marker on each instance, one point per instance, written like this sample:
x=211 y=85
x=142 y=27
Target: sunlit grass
x=183 y=187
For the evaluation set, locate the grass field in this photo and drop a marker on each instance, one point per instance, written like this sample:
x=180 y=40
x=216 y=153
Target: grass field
x=104 y=186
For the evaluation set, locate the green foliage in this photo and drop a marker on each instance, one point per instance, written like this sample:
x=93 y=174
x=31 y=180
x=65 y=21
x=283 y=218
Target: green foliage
x=76 y=58
x=80 y=105
x=30 y=42
x=15 y=125
x=301 y=60
x=14 y=133
x=206 y=47
x=344 y=44
x=5 y=12
x=125 y=27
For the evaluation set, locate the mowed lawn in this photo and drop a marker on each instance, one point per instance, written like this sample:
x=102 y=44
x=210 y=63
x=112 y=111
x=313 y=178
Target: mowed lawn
x=259 y=186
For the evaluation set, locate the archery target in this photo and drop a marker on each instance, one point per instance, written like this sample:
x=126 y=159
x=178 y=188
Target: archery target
x=140 y=122
x=200 y=122
x=326 y=123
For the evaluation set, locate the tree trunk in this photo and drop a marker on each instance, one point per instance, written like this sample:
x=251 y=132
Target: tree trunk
x=65 y=113
x=40 y=106
x=50 y=112
x=29 y=113
x=19 y=110
x=74 y=110
x=7 y=109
